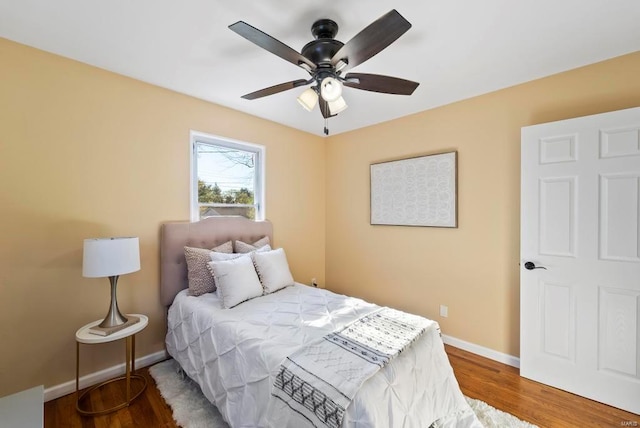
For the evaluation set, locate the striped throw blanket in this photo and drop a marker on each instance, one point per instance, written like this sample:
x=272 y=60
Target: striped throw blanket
x=319 y=381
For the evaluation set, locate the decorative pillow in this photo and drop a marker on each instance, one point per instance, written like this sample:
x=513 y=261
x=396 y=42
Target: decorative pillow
x=200 y=279
x=220 y=257
x=227 y=247
x=273 y=269
x=243 y=247
x=237 y=280
x=262 y=249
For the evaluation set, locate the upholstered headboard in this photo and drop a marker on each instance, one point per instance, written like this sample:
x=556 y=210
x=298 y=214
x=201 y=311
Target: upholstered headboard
x=206 y=233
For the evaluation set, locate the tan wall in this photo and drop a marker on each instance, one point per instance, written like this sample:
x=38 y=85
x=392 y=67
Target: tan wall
x=473 y=269
x=85 y=153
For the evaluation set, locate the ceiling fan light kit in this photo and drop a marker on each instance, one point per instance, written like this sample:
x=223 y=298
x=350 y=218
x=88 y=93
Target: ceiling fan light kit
x=330 y=89
x=337 y=106
x=326 y=59
x=308 y=99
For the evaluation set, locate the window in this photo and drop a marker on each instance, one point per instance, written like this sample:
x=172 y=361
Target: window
x=227 y=178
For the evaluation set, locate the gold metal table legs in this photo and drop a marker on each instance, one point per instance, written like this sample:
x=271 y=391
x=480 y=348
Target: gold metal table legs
x=129 y=367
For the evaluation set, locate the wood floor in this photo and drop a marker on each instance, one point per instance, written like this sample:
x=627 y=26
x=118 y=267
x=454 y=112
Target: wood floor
x=497 y=384
x=502 y=387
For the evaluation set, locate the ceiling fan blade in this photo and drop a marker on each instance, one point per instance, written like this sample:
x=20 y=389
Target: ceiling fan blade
x=275 y=89
x=380 y=83
x=267 y=42
x=373 y=39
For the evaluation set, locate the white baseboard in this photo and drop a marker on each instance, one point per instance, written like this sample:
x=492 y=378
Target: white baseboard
x=482 y=351
x=58 y=391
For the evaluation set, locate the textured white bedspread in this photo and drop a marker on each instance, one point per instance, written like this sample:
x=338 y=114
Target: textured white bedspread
x=234 y=355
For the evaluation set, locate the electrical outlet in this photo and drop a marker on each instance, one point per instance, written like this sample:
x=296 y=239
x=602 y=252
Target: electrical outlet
x=444 y=311
x=314 y=282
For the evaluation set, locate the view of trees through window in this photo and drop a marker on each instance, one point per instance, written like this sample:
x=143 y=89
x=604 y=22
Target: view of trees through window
x=226 y=181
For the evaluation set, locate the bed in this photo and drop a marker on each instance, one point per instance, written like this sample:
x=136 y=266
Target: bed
x=234 y=354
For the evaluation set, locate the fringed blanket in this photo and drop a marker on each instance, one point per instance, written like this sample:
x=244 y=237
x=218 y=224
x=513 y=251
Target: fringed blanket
x=320 y=380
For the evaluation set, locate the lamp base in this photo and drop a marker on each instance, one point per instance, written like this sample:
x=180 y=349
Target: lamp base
x=114 y=318
x=106 y=331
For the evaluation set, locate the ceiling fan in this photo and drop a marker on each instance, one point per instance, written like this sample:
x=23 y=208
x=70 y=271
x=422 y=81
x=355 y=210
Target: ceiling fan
x=327 y=60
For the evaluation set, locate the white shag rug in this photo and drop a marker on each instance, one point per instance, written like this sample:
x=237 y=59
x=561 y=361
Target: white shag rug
x=192 y=410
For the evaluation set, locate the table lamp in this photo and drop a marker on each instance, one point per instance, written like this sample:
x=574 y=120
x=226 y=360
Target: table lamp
x=111 y=257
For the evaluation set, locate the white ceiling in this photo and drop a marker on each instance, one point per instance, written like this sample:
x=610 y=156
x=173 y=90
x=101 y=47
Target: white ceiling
x=456 y=49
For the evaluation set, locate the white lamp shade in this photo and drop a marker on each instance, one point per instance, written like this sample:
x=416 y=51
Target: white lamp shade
x=337 y=106
x=308 y=99
x=104 y=257
x=330 y=89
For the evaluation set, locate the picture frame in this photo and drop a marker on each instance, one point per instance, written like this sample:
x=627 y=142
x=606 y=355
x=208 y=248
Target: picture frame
x=416 y=191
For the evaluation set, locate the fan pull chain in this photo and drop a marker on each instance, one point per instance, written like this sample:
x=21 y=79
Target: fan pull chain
x=326 y=126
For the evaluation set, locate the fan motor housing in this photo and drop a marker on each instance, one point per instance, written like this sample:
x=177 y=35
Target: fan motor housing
x=324 y=47
x=321 y=51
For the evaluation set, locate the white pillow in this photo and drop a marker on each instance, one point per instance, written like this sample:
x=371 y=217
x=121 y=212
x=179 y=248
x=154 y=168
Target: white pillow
x=236 y=280
x=200 y=281
x=273 y=269
x=217 y=257
x=220 y=257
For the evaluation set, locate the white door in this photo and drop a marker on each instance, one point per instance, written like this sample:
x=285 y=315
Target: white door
x=580 y=256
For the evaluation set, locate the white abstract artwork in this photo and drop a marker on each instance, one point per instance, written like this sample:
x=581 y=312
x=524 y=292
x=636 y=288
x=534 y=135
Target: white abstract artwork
x=418 y=191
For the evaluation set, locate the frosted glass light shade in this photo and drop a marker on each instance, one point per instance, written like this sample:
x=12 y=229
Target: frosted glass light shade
x=330 y=89
x=103 y=257
x=337 y=106
x=308 y=99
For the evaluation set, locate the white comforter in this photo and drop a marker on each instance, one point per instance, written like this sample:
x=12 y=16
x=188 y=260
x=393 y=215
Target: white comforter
x=234 y=355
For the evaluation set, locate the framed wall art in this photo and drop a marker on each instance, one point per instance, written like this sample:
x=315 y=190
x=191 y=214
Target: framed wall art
x=419 y=191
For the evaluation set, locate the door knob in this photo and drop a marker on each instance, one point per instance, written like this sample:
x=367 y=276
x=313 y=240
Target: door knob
x=532 y=266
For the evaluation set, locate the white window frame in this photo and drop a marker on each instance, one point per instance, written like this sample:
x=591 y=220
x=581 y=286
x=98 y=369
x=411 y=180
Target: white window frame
x=196 y=137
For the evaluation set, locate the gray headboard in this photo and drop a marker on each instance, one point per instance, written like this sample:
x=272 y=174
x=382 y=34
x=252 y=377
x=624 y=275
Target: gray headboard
x=207 y=233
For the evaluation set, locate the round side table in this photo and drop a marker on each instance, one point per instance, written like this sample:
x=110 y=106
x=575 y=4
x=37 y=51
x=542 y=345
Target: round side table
x=129 y=334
